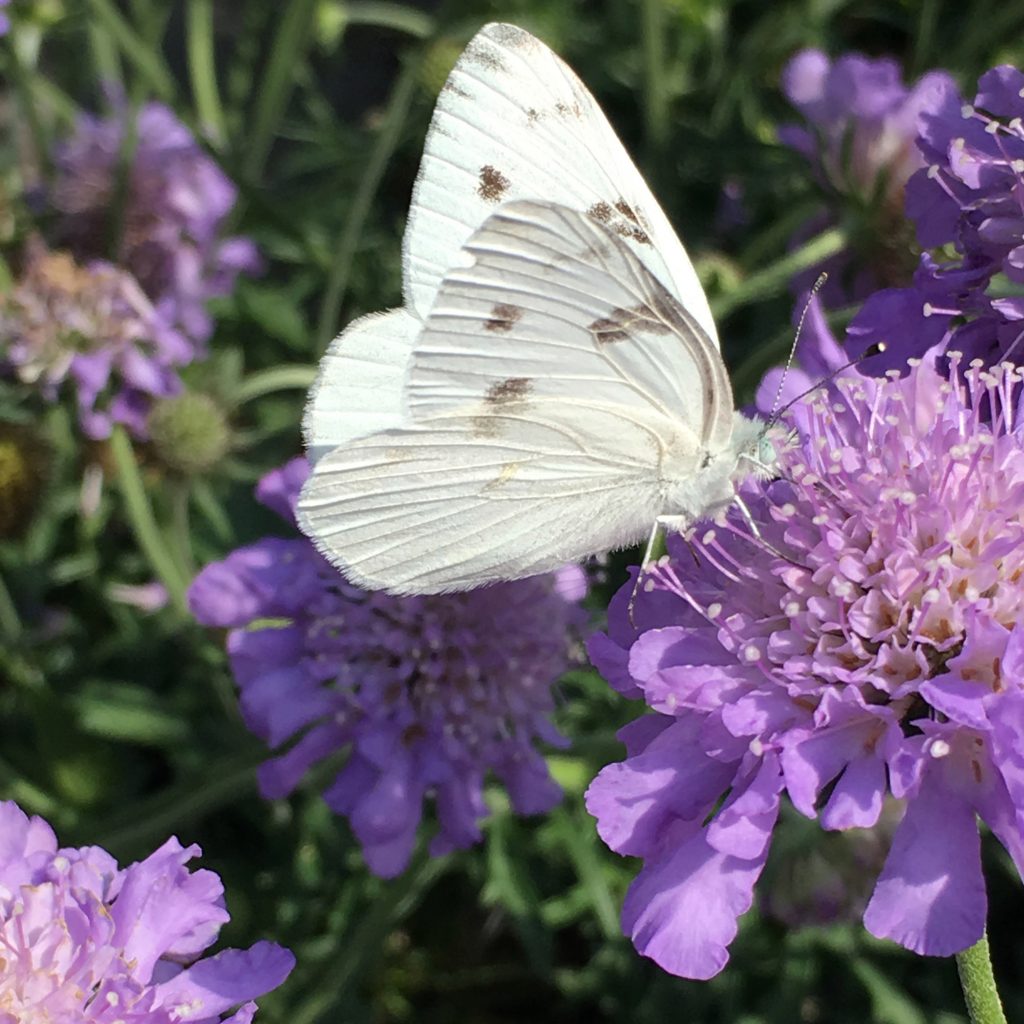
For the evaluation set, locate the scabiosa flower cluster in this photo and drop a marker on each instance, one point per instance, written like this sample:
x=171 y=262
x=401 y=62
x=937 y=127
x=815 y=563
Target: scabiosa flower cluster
x=84 y=940
x=425 y=695
x=173 y=212
x=91 y=327
x=966 y=205
x=860 y=139
x=866 y=638
x=5 y=21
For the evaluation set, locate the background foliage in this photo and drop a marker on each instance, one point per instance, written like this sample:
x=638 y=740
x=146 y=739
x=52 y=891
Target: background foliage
x=121 y=727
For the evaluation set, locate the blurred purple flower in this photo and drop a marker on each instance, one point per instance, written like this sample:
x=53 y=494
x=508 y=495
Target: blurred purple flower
x=427 y=695
x=86 y=941
x=866 y=640
x=5 y=21
x=970 y=194
x=863 y=123
x=175 y=205
x=94 y=327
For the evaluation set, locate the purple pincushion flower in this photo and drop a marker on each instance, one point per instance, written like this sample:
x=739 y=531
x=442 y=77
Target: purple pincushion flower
x=5 y=21
x=93 y=327
x=968 y=195
x=425 y=695
x=176 y=203
x=865 y=641
x=84 y=940
x=862 y=127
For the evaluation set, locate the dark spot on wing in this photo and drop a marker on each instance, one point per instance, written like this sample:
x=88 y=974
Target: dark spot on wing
x=457 y=90
x=608 y=329
x=632 y=226
x=509 y=392
x=564 y=110
x=601 y=212
x=493 y=184
x=503 y=398
x=620 y=324
x=627 y=211
x=632 y=231
x=532 y=115
x=503 y=318
x=484 y=56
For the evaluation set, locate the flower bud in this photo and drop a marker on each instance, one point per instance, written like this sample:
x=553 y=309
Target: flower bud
x=189 y=433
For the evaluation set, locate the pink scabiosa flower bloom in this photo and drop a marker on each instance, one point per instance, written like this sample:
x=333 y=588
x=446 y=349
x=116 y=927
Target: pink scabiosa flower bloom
x=84 y=940
x=427 y=695
x=860 y=139
x=176 y=203
x=93 y=329
x=864 y=640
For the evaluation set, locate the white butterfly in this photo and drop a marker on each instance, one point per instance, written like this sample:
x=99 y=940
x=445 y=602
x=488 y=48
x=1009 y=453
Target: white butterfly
x=553 y=385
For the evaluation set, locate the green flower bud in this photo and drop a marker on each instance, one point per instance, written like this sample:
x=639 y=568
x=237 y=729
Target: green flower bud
x=189 y=433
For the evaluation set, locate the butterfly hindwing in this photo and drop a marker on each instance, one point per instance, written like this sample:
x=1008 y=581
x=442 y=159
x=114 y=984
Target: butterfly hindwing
x=546 y=302
x=468 y=498
x=359 y=384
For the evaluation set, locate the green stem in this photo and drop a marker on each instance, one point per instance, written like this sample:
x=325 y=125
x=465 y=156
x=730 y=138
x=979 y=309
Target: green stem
x=26 y=100
x=974 y=966
x=202 y=68
x=387 y=140
x=389 y=15
x=10 y=621
x=143 y=522
x=275 y=378
x=291 y=36
x=147 y=60
x=775 y=277
x=656 y=95
x=398 y=899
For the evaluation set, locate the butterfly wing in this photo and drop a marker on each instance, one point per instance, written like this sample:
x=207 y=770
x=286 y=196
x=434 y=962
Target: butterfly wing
x=514 y=122
x=358 y=388
x=482 y=495
x=546 y=302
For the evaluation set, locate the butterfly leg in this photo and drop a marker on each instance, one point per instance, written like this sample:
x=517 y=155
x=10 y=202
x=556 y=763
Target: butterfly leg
x=678 y=523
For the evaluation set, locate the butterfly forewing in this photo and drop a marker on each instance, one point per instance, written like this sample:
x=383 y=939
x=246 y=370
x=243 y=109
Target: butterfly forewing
x=556 y=305
x=514 y=122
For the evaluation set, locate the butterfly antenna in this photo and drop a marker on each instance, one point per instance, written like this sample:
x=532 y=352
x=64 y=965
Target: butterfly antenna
x=874 y=350
x=811 y=295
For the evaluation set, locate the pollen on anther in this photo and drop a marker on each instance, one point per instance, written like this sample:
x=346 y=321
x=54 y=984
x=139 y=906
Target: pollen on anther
x=714 y=610
x=939 y=748
x=751 y=653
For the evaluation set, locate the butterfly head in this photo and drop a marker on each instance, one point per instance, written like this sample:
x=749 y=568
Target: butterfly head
x=757 y=445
